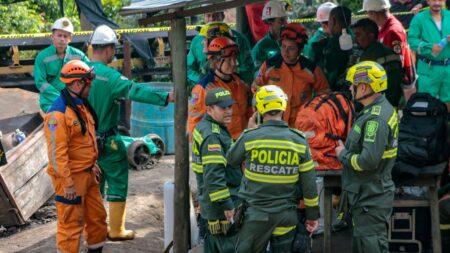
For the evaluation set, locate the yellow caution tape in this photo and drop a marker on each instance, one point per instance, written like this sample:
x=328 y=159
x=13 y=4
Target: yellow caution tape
x=159 y=29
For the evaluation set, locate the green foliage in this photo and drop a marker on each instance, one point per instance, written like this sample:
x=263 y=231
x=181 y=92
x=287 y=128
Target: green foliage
x=36 y=16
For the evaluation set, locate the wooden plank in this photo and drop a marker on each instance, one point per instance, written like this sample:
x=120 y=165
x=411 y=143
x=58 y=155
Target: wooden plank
x=27 y=160
x=327 y=219
x=34 y=193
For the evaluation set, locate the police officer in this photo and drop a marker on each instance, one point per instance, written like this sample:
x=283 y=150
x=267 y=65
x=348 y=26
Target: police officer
x=366 y=35
x=72 y=152
x=393 y=35
x=275 y=16
x=368 y=157
x=313 y=50
x=428 y=36
x=217 y=181
x=197 y=59
x=48 y=63
x=294 y=73
x=108 y=87
x=278 y=164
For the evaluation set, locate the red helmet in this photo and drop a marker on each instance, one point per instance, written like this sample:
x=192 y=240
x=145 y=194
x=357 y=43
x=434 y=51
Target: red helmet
x=296 y=32
x=76 y=70
x=222 y=47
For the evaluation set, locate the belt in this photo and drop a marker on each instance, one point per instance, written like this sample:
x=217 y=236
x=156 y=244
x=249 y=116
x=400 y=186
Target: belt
x=111 y=132
x=444 y=62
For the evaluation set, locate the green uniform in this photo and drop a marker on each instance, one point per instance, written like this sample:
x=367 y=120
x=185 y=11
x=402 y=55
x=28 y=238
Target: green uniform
x=433 y=70
x=392 y=63
x=278 y=167
x=109 y=87
x=368 y=158
x=266 y=48
x=315 y=46
x=218 y=182
x=197 y=60
x=336 y=61
x=47 y=68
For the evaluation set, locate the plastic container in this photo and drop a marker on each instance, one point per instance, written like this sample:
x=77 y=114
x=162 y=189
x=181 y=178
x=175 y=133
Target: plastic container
x=147 y=118
x=345 y=41
x=20 y=136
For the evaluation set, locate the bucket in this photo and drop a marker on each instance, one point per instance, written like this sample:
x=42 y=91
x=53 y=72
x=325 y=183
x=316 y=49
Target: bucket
x=147 y=118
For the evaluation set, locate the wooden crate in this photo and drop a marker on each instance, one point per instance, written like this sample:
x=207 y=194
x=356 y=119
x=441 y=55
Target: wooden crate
x=24 y=183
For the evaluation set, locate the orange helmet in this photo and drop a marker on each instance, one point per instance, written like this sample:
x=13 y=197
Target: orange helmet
x=76 y=70
x=222 y=47
x=296 y=32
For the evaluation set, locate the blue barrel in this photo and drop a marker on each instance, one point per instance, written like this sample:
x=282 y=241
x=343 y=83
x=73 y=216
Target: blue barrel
x=147 y=118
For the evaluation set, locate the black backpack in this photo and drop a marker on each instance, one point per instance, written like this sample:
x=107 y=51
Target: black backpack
x=423 y=131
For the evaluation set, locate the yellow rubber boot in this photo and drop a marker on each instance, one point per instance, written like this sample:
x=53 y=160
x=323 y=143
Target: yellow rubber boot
x=117 y=230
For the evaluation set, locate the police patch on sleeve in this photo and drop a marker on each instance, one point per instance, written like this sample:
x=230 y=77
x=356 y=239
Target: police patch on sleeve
x=371 y=131
x=397 y=46
x=52 y=124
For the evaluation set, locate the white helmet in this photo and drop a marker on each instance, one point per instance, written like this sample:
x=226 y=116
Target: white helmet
x=376 y=5
x=63 y=24
x=273 y=9
x=103 y=35
x=323 y=12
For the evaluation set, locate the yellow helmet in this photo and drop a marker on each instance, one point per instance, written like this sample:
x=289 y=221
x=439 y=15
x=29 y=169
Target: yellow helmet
x=216 y=29
x=370 y=73
x=270 y=98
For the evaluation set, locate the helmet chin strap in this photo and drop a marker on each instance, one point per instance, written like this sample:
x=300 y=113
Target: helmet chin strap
x=361 y=98
x=79 y=93
x=220 y=68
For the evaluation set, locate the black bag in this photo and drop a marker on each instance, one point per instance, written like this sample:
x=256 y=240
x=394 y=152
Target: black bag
x=423 y=131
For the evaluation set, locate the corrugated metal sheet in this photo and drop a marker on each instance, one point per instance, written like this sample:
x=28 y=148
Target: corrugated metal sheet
x=143 y=6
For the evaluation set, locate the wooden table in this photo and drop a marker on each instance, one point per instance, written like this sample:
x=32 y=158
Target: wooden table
x=429 y=177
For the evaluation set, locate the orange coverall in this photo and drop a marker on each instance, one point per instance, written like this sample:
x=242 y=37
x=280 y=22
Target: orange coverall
x=71 y=158
x=300 y=82
x=240 y=94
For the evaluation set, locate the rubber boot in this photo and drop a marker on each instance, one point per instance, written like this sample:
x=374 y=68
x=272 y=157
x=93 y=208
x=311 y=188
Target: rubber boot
x=117 y=230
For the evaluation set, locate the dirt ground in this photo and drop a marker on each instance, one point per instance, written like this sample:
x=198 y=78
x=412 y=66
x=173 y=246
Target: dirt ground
x=145 y=215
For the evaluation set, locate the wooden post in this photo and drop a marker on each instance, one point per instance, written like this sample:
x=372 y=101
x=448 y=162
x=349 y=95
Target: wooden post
x=241 y=19
x=327 y=217
x=181 y=195
x=434 y=210
x=126 y=71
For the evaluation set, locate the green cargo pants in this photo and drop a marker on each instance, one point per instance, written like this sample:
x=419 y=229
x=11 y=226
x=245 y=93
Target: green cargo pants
x=114 y=164
x=370 y=225
x=434 y=79
x=260 y=228
x=220 y=242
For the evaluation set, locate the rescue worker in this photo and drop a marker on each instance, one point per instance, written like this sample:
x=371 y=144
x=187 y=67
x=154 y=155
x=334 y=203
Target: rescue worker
x=72 y=152
x=278 y=164
x=366 y=36
x=313 y=50
x=108 y=87
x=197 y=66
x=48 y=63
x=275 y=16
x=217 y=182
x=222 y=52
x=392 y=35
x=368 y=157
x=339 y=47
x=428 y=36
x=299 y=77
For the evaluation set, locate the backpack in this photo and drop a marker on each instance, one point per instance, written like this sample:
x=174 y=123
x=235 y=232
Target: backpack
x=423 y=131
x=324 y=120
